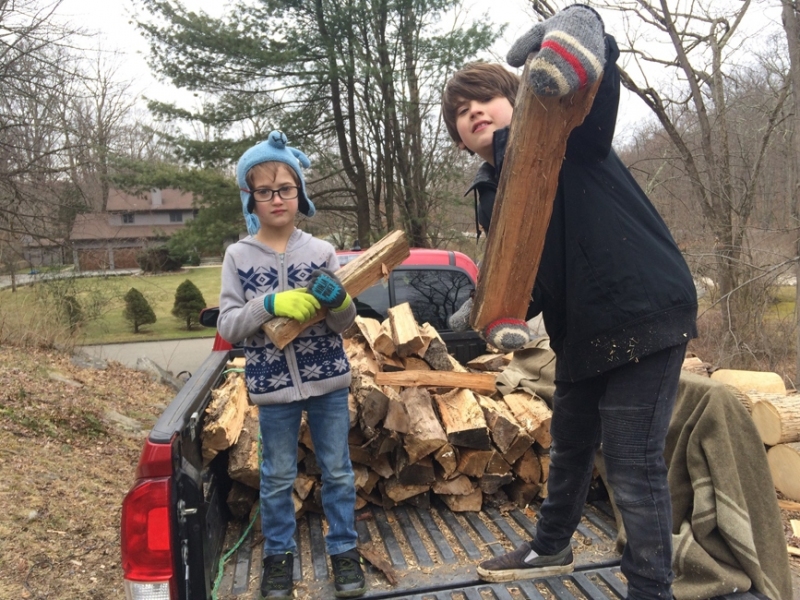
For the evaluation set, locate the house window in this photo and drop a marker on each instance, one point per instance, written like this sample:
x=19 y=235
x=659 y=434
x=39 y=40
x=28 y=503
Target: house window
x=127 y=218
x=175 y=217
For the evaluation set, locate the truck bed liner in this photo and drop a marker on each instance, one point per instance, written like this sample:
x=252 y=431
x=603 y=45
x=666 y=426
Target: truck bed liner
x=434 y=552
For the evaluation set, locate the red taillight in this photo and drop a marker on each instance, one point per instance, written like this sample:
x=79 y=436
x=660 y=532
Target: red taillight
x=146 y=535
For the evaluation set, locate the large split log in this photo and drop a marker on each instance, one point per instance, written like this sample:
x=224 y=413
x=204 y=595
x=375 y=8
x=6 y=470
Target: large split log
x=784 y=465
x=481 y=382
x=473 y=462
x=466 y=503
x=243 y=460
x=405 y=331
x=536 y=146
x=458 y=486
x=533 y=414
x=425 y=432
x=507 y=434
x=435 y=353
x=357 y=276
x=224 y=416
x=777 y=419
x=447 y=459
x=463 y=420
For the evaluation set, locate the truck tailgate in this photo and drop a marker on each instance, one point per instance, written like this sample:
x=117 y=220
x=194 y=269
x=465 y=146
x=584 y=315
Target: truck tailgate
x=434 y=552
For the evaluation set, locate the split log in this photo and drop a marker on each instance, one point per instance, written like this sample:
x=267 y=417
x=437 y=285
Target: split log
x=352 y=409
x=777 y=419
x=695 y=365
x=372 y=332
x=447 y=458
x=405 y=331
x=468 y=503
x=244 y=464
x=491 y=484
x=482 y=382
x=473 y=462
x=399 y=492
x=436 y=354
x=758 y=381
x=533 y=415
x=241 y=499
x=303 y=484
x=507 y=434
x=374 y=558
x=414 y=363
x=463 y=420
x=384 y=343
x=361 y=456
x=418 y=473
x=357 y=276
x=497 y=465
x=458 y=486
x=536 y=145
x=789 y=505
x=224 y=416
x=488 y=362
x=528 y=468
x=371 y=482
x=425 y=432
x=522 y=493
x=380 y=464
x=784 y=464
x=373 y=404
x=396 y=416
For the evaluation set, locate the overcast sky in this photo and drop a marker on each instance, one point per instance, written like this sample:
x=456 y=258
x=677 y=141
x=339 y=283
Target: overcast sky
x=112 y=21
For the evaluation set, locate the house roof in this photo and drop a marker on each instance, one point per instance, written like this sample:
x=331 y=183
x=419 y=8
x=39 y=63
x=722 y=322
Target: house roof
x=95 y=226
x=171 y=199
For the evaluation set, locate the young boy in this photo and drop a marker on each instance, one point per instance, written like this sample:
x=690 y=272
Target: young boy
x=616 y=295
x=281 y=271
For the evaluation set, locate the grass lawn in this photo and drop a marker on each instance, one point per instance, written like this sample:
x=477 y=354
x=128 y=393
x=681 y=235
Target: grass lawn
x=107 y=294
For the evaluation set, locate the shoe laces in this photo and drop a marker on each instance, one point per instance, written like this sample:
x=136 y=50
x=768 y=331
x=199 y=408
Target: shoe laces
x=346 y=569
x=278 y=569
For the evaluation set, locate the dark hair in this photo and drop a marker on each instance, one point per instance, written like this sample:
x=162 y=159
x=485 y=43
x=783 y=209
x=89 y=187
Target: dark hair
x=476 y=81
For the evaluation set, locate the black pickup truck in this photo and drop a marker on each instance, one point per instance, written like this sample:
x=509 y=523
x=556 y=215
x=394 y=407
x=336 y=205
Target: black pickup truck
x=179 y=541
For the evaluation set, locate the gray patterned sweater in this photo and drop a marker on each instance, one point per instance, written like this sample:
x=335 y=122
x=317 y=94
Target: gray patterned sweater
x=315 y=362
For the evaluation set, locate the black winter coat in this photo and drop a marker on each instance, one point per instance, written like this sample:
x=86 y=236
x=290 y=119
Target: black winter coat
x=612 y=285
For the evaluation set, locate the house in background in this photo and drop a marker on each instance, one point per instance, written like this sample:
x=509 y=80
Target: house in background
x=131 y=223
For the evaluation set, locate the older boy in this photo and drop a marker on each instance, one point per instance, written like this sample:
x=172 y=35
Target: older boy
x=617 y=299
x=280 y=271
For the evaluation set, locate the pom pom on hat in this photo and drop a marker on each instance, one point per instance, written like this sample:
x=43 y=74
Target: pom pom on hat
x=273 y=149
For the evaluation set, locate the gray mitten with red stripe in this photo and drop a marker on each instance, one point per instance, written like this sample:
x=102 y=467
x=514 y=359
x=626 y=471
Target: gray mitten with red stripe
x=504 y=334
x=570 y=51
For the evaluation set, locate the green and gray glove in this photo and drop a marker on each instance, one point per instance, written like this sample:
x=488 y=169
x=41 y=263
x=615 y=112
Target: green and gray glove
x=570 y=51
x=296 y=304
x=328 y=290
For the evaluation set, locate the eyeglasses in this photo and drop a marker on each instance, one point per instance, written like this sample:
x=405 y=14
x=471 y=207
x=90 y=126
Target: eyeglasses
x=286 y=192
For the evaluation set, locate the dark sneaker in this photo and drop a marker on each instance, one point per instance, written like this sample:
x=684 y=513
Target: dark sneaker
x=276 y=578
x=348 y=577
x=524 y=563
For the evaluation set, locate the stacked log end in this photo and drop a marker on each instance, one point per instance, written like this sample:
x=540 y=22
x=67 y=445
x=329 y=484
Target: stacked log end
x=776 y=414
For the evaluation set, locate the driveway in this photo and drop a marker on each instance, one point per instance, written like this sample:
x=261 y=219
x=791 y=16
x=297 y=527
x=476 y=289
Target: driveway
x=171 y=355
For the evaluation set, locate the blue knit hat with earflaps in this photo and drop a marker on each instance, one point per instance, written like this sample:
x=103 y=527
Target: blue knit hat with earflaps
x=274 y=148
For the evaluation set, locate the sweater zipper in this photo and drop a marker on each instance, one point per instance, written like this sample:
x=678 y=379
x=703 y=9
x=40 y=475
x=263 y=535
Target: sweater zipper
x=291 y=357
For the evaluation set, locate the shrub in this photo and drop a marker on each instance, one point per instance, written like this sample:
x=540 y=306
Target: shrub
x=189 y=302
x=138 y=310
x=158 y=260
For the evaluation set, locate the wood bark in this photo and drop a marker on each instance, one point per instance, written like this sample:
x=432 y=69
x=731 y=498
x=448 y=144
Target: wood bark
x=357 y=276
x=536 y=145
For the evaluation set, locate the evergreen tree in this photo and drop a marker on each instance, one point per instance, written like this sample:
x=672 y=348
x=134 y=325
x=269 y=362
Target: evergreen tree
x=138 y=310
x=189 y=302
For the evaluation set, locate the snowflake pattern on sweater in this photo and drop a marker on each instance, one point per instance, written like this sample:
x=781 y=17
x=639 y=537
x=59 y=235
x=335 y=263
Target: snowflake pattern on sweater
x=318 y=352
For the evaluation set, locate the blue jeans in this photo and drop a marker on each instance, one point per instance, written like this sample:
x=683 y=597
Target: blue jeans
x=329 y=422
x=628 y=409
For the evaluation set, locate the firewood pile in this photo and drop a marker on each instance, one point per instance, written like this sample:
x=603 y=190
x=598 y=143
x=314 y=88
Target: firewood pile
x=423 y=425
x=420 y=424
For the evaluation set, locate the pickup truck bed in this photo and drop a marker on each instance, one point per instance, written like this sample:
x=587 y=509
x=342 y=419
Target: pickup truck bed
x=432 y=550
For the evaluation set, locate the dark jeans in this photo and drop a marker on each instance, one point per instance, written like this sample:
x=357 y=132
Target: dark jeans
x=628 y=409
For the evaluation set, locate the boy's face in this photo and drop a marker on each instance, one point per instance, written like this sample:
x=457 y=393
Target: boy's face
x=278 y=213
x=476 y=122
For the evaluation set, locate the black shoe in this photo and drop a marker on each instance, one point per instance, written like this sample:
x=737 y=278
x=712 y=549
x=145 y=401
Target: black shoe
x=348 y=577
x=524 y=563
x=276 y=578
